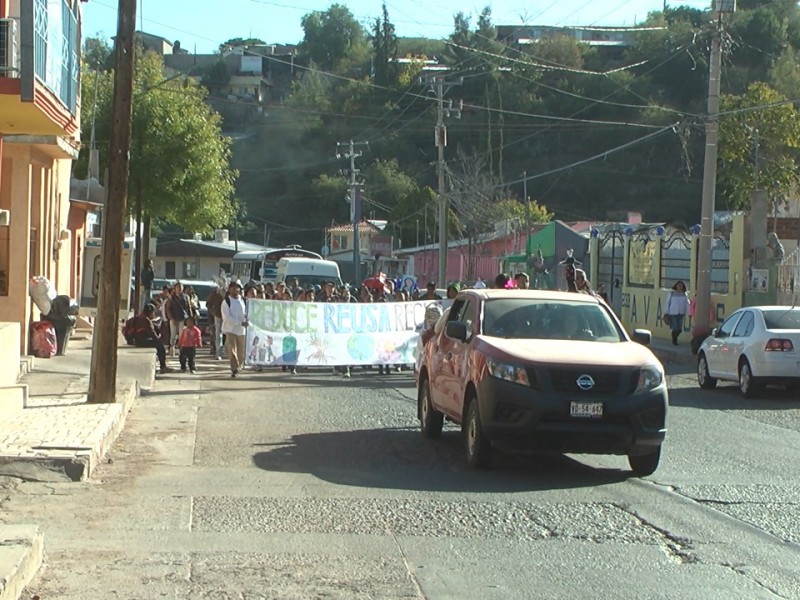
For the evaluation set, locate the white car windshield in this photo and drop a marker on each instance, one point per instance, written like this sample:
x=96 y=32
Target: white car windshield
x=524 y=318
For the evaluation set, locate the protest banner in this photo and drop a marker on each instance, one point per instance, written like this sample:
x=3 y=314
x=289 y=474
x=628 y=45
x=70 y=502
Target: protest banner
x=313 y=334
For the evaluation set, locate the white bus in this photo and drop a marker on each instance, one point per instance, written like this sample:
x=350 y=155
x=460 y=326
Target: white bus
x=262 y=265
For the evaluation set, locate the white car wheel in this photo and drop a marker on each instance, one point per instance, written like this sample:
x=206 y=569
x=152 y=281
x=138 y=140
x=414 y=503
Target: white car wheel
x=704 y=380
x=748 y=385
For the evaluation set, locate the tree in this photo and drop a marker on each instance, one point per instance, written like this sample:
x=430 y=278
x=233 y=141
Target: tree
x=238 y=42
x=331 y=36
x=97 y=53
x=180 y=162
x=759 y=148
x=384 y=47
x=216 y=77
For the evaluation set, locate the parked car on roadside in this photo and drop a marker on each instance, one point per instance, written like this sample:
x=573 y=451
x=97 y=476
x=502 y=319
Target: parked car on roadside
x=532 y=370
x=755 y=346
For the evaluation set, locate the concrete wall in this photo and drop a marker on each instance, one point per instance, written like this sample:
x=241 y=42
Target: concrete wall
x=643 y=305
x=35 y=189
x=9 y=353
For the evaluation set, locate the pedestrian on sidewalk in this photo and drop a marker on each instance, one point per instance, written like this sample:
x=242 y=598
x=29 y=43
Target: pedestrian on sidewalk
x=676 y=308
x=148 y=276
x=147 y=336
x=234 y=323
x=214 y=306
x=191 y=339
x=178 y=312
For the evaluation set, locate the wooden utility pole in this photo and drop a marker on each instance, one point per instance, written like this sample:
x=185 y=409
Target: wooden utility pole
x=440 y=87
x=103 y=374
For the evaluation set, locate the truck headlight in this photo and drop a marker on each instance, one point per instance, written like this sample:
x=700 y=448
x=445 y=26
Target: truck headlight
x=507 y=372
x=650 y=377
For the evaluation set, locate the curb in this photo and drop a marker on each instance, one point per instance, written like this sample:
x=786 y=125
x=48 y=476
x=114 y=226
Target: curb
x=674 y=356
x=74 y=464
x=21 y=556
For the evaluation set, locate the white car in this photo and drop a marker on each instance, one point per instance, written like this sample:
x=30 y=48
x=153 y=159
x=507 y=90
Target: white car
x=755 y=346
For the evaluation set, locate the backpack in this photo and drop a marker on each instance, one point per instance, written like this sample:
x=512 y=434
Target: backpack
x=129 y=331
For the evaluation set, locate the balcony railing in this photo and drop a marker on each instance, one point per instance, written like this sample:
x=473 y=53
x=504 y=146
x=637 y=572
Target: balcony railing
x=56 y=50
x=49 y=50
x=9 y=48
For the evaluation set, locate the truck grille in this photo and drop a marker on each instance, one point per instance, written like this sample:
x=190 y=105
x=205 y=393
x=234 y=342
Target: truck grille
x=566 y=380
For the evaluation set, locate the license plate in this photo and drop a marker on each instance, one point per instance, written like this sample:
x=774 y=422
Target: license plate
x=586 y=410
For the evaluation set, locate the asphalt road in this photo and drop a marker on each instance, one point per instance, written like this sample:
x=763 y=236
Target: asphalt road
x=311 y=486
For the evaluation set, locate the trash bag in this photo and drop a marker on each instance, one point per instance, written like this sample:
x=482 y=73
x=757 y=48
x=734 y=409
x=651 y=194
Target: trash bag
x=43 y=339
x=60 y=306
x=42 y=292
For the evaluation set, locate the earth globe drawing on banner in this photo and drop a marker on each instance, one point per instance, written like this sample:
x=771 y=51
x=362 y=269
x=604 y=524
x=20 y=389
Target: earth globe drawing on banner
x=361 y=347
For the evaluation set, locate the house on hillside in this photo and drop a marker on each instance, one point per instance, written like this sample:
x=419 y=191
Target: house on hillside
x=603 y=37
x=159 y=45
x=41 y=232
x=197 y=258
x=246 y=83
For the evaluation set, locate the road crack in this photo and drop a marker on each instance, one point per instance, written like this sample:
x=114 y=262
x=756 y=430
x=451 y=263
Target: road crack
x=740 y=570
x=679 y=549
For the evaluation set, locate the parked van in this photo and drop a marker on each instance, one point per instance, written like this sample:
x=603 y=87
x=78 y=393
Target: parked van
x=309 y=271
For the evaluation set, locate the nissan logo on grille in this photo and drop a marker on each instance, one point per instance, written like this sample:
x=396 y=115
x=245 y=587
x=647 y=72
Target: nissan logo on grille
x=585 y=382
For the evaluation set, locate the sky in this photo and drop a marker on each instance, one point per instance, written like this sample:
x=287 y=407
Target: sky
x=201 y=25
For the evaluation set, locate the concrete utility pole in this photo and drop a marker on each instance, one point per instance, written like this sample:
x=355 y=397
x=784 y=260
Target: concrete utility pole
x=355 y=200
x=440 y=86
x=103 y=374
x=701 y=326
x=527 y=218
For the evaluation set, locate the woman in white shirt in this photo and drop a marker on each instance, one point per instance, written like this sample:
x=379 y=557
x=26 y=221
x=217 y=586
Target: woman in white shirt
x=675 y=309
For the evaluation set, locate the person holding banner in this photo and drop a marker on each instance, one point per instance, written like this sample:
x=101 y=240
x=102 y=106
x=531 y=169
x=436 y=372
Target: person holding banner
x=234 y=322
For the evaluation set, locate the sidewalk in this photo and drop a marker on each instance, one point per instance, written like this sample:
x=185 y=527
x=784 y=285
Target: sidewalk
x=667 y=353
x=51 y=434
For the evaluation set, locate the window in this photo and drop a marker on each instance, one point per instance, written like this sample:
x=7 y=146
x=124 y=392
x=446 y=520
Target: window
x=189 y=270
x=745 y=326
x=727 y=327
x=788 y=318
x=467 y=316
x=169 y=269
x=225 y=267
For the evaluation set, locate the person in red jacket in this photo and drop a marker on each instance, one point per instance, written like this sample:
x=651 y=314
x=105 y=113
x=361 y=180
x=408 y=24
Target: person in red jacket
x=190 y=339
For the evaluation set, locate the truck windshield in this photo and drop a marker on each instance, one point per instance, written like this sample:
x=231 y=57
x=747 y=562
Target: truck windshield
x=523 y=318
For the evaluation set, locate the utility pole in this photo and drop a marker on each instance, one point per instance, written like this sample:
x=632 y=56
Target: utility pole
x=704 y=264
x=355 y=200
x=439 y=87
x=527 y=219
x=103 y=373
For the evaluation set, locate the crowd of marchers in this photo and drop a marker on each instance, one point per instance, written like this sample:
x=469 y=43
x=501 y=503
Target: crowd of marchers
x=168 y=322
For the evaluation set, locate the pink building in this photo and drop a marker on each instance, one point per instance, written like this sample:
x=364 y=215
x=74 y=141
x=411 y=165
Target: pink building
x=465 y=261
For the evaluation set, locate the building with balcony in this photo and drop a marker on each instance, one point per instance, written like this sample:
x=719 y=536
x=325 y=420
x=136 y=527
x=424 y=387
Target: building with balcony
x=41 y=231
x=376 y=249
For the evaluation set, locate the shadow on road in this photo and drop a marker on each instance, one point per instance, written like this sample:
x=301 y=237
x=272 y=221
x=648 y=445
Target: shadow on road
x=727 y=397
x=395 y=458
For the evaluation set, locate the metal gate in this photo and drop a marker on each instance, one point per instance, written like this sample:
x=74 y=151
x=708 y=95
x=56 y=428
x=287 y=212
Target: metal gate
x=610 y=259
x=676 y=259
x=788 y=276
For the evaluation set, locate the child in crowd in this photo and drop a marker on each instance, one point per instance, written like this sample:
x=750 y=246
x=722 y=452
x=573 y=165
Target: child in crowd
x=190 y=339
